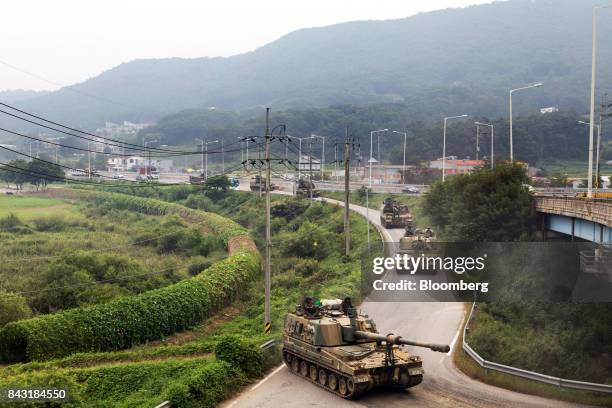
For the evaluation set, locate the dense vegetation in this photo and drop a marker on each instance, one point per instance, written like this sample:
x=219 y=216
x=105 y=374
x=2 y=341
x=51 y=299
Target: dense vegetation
x=56 y=255
x=518 y=328
x=441 y=63
x=206 y=364
x=571 y=341
x=486 y=206
x=539 y=139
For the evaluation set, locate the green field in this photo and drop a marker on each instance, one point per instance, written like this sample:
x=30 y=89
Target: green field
x=28 y=207
x=571 y=168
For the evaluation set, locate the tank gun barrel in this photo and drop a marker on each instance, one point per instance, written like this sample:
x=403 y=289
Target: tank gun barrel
x=393 y=339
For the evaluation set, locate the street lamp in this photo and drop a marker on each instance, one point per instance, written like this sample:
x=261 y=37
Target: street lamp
x=492 y=136
x=597 y=152
x=144 y=143
x=371 y=157
x=593 y=80
x=404 y=161
x=322 y=155
x=444 y=143
x=538 y=85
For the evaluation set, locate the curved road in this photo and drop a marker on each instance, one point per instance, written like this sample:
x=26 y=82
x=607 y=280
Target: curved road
x=443 y=384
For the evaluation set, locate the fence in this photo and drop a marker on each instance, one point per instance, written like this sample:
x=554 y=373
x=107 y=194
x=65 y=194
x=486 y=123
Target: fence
x=530 y=375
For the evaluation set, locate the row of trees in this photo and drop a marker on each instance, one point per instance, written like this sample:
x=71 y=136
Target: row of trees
x=36 y=172
x=537 y=138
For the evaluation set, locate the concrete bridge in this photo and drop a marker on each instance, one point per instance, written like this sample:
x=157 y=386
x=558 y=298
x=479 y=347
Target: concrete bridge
x=587 y=219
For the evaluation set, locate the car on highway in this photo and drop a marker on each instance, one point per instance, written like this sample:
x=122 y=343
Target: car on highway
x=119 y=176
x=411 y=190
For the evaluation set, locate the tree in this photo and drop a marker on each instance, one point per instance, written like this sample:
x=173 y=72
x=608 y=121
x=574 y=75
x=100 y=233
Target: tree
x=16 y=171
x=13 y=307
x=488 y=205
x=217 y=183
x=43 y=173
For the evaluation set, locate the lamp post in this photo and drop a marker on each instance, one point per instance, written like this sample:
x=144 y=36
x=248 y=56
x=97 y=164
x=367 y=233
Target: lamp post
x=241 y=148
x=592 y=113
x=371 y=153
x=492 y=136
x=202 y=157
x=404 y=160
x=322 y=154
x=206 y=143
x=144 y=144
x=598 y=127
x=444 y=143
x=538 y=85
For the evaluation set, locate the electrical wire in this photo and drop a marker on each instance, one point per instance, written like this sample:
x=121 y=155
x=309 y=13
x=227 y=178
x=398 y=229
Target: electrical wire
x=116 y=143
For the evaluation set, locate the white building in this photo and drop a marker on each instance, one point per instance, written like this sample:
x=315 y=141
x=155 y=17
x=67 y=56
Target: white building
x=132 y=163
x=305 y=164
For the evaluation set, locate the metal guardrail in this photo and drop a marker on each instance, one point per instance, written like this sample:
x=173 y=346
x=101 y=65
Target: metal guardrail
x=268 y=344
x=530 y=375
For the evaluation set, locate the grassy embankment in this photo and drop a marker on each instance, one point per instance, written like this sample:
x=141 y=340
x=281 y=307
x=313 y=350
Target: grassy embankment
x=465 y=363
x=55 y=252
x=307 y=260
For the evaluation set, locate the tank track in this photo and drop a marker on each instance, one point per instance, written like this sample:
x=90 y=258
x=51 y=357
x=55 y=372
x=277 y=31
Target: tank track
x=331 y=380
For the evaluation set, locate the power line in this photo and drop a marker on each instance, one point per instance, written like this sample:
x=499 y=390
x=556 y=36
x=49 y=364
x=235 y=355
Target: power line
x=67 y=88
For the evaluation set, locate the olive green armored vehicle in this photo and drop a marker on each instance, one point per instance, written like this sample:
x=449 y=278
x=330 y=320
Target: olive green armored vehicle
x=336 y=348
x=394 y=214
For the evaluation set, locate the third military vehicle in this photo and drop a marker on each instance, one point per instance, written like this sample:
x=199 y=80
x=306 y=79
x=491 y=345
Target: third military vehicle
x=394 y=214
x=306 y=189
x=258 y=182
x=329 y=343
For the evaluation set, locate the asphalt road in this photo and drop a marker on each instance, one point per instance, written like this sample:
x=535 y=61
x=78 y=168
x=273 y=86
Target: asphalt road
x=443 y=384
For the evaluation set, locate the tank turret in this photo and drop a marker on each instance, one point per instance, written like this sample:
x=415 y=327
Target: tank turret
x=329 y=343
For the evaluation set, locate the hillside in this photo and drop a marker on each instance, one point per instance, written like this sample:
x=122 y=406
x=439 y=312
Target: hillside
x=440 y=62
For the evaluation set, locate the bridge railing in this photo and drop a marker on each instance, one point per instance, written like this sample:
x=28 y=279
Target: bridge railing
x=597 y=209
x=530 y=375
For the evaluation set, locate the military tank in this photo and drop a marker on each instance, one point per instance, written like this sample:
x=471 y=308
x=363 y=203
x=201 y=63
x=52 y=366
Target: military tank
x=394 y=214
x=333 y=346
x=306 y=189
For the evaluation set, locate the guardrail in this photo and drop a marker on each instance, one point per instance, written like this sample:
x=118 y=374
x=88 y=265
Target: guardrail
x=530 y=375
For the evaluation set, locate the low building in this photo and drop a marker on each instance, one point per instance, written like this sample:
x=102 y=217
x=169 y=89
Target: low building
x=132 y=163
x=456 y=166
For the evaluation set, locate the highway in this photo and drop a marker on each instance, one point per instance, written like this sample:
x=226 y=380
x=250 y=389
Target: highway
x=443 y=384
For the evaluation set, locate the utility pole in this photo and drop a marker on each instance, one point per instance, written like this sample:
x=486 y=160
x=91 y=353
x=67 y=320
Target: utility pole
x=347 y=174
x=368 y=215
x=267 y=319
x=477 y=140
x=310 y=168
x=88 y=161
x=222 y=157
x=603 y=114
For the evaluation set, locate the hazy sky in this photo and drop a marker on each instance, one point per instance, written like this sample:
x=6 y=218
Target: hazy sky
x=68 y=41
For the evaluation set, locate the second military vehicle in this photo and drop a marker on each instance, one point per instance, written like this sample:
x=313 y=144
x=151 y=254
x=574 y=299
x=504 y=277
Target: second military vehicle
x=306 y=189
x=258 y=182
x=394 y=214
x=338 y=349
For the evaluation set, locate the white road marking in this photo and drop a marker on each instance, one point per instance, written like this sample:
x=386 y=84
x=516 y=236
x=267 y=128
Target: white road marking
x=452 y=345
x=266 y=378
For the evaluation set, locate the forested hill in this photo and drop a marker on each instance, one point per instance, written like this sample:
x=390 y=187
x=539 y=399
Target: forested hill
x=446 y=61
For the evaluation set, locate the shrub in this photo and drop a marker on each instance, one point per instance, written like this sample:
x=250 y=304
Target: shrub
x=209 y=385
x=240 y=353
x=13 y=307
x=127 y=321
x=10 y=223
